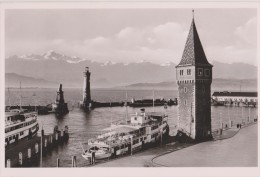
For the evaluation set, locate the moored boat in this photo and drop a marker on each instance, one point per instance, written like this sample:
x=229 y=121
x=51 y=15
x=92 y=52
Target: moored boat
x=101 y=152
x=142 y=130
x=20 y=124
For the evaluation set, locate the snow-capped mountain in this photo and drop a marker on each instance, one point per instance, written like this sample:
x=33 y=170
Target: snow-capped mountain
x=60 y=68
x=50 y=55
x=30 y=57
x=57 y=67
x=108 y=63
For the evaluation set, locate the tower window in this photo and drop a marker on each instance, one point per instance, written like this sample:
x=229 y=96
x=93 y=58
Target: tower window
x=185 y=89
x=200 y=72
x=185 y=102
x=181 y=72
x=207 y=72
x=188 y=71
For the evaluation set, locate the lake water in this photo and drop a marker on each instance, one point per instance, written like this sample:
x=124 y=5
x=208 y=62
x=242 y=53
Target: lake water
x=84 y=125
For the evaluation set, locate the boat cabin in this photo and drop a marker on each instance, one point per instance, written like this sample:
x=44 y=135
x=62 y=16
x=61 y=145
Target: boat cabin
x=143 y=117
x=140 y=118
x=14 y=117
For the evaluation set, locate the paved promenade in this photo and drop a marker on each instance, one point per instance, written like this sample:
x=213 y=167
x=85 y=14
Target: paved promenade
x=233 y=148
x=143 y=158
x=238 y=151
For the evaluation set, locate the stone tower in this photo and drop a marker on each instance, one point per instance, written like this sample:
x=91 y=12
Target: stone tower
x=86 y=89
x=60 y=107
x=60 y=97
x=194 y=77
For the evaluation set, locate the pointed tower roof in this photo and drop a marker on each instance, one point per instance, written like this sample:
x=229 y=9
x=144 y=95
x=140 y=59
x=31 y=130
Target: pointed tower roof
x=193 y=53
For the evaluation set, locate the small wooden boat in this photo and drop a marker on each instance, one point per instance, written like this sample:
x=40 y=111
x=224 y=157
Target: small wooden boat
x=100 y=153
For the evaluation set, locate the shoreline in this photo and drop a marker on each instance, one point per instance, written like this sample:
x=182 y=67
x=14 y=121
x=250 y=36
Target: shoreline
x=149 y=157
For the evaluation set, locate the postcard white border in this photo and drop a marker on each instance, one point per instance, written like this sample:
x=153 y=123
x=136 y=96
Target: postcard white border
x=114 y=172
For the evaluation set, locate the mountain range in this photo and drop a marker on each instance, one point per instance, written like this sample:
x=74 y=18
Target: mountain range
x=13 y=80
x=52 y=68
x=248 y=85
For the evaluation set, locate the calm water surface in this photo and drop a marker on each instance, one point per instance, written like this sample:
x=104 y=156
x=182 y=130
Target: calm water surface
x=84 y=125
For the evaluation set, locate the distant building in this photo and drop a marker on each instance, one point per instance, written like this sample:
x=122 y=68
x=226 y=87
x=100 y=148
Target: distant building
x=194 y=77
x=236 y=98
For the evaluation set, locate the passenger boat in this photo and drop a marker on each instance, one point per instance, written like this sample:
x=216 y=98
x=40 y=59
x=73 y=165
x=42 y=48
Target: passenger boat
x=142 y=130
x=20 y=124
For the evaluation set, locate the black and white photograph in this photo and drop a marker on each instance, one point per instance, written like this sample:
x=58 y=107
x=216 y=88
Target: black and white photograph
x=157 y=88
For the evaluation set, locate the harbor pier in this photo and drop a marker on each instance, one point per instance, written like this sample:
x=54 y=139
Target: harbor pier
x=41 y=110
x=28 y=153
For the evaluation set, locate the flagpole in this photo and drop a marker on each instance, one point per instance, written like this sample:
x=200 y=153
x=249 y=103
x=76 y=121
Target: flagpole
x=110 y=117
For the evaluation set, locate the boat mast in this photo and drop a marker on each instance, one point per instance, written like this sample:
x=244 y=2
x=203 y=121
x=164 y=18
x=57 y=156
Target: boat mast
x=110 y=117
x=153 y=100
x=34 y=95
x=8 y=91
x=110 y=126
x=41 y=147
x=20 y=96
x=35 y=105
x=126 y=114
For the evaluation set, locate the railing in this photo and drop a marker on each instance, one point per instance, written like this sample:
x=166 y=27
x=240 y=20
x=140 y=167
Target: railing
x=23 y=124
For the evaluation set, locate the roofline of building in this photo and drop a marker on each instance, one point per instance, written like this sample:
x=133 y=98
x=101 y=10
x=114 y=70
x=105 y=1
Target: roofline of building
x=179 y=66
x=235 y=94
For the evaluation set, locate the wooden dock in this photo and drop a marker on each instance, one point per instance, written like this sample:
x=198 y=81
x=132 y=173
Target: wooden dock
x=27 y=153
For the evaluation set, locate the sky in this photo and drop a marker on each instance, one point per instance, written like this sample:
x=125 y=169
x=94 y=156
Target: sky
x=132 y=35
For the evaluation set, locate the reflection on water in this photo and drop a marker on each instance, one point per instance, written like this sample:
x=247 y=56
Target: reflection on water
x=84 y=125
